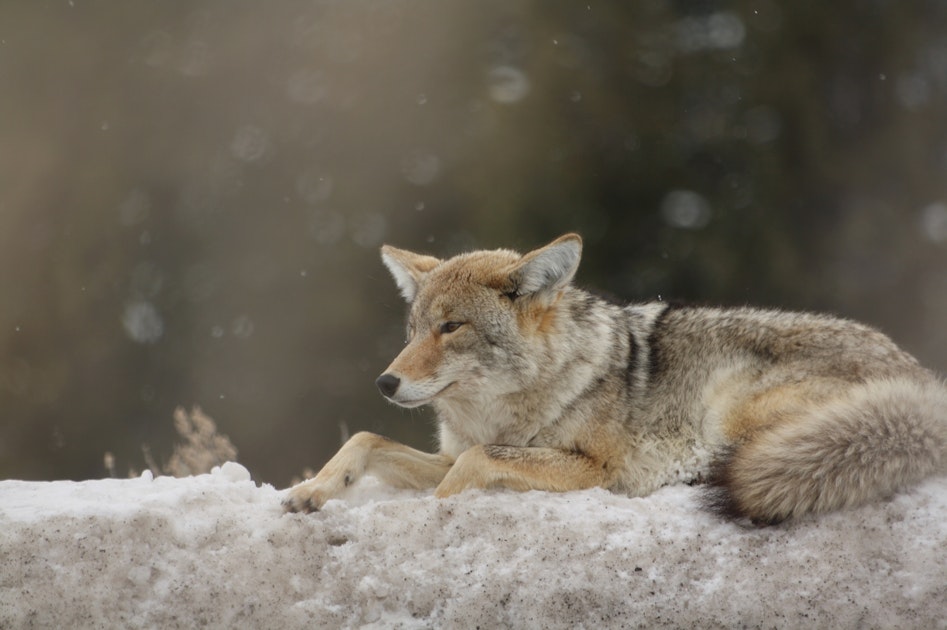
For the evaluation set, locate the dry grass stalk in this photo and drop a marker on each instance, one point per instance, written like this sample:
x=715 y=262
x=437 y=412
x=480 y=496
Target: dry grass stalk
x=202 y=449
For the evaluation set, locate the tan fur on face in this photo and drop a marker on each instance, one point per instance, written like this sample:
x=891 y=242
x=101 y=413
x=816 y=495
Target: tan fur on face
x=537 y=317
x=489 y=269
x=421 y=358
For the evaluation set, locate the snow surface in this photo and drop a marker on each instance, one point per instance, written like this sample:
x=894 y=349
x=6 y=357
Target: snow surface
x=217 y=550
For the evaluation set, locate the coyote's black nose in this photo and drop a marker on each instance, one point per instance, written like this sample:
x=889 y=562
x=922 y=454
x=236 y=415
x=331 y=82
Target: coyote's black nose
x=388 y=384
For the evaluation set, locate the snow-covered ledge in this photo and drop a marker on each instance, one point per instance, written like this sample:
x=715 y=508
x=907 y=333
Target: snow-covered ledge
x=217 y=550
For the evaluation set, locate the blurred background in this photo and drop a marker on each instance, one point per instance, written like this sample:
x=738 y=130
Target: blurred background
x=192 y=194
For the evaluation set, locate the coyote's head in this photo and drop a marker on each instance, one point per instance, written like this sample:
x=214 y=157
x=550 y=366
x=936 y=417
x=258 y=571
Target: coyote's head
x=479 y=323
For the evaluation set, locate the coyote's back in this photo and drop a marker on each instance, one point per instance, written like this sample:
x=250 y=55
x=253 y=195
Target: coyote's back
x=540 y=385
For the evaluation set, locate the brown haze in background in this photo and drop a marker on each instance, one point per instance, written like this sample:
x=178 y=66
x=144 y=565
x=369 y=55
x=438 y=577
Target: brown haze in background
x=192 y=194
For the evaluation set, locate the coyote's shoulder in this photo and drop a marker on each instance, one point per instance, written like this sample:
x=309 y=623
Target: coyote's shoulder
x=538 y=384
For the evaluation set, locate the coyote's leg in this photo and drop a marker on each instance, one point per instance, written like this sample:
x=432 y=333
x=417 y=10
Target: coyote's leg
x=523 y=468
x=394 y=463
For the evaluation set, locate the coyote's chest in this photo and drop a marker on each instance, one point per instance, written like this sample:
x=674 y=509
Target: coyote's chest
x=467 y=423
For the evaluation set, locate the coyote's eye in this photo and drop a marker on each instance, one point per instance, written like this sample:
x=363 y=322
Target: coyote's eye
x=449 y=327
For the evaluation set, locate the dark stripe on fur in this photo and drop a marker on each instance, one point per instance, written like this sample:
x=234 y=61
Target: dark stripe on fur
x=655 y=360
x=581 y=397
x=717 y=497
x=631 y=365
x=503 y=453
x=582 y=308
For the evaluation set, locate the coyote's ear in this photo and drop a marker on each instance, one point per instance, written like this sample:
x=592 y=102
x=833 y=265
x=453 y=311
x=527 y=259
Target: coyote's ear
x=407 y=268
x=548 y=268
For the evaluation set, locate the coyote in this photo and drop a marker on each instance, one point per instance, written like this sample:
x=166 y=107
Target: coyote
x=540 y=385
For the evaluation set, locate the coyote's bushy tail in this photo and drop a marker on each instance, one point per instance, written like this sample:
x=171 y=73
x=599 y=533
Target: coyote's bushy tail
x=882 y=436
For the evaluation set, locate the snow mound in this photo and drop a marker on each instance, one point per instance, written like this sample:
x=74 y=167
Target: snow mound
x=217 y=550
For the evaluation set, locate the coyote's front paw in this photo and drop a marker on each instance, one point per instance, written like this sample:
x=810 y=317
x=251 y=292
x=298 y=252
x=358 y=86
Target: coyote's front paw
x=311 y=495
x=347 y=466
x=468 y=472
